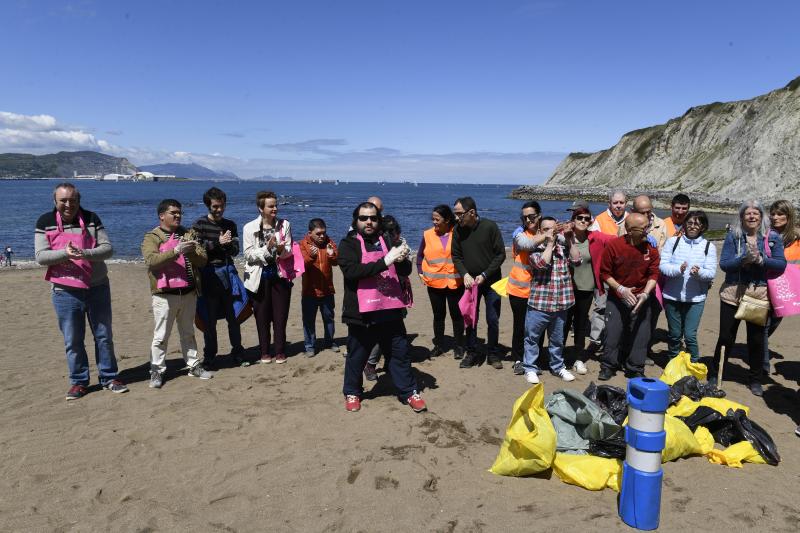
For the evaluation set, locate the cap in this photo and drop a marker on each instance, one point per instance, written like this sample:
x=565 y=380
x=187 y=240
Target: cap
x=577 y=204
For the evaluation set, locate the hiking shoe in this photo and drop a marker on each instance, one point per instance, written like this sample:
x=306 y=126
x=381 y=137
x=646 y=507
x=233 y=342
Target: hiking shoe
x=470 y=359
x=370 y=372
x=580 y=368
x=606 y=374
x=352 y=403
x=156 y=379
x=495 y=362
x=76 y=392
x=565 y=375
x=436 y=352
x=280 y=359
x=517 y=368
x=265 y=359
x=197 y=371
x=458 y=353
x=116 y=385
x=416 y=403
x=756 y=389
x=532 y=377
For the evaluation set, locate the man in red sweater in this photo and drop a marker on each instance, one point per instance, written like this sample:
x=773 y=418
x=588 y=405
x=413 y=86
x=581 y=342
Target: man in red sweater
x=320 y=255
x=629 y=267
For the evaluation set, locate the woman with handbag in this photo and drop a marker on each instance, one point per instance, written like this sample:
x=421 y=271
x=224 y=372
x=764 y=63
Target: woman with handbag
x=688 y=266
x=783 y=219
x=750 y=250
x=267 y=244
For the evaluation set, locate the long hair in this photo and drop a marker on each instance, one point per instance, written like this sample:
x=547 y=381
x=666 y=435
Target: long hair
x=736 y=229
x=789 y=233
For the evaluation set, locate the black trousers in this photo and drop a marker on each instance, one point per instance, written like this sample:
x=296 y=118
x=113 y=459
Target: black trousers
x=441 y=300
x=578 y=315
x=626 y=333
x=391 y=337
x=757 y=342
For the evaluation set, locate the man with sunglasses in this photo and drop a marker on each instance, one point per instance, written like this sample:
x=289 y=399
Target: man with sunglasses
x=478 y=252
x=372 y=307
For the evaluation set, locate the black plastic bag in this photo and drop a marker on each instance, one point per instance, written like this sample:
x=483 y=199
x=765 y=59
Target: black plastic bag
x=613 y=448
x=692 y=387
x=757 y=436
x=612 y=400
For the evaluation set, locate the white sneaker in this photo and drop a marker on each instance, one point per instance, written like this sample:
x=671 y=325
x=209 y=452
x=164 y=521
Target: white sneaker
x=532 y=377
x=580 y=368
x=566 y=375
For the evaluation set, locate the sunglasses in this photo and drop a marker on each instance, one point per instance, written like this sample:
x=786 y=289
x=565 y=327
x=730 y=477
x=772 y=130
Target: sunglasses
x=364 y=218
x=583 y=218
x=529 y=217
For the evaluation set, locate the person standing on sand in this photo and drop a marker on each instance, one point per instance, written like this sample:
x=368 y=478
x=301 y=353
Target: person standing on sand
x=783 y=220
x=478 y=252
x=173 y=257
x=629 y=267
x=372 y=307
x=220 y=238
x=680 y=208
x=8 y=253
x=73 y=244
x=320 y=256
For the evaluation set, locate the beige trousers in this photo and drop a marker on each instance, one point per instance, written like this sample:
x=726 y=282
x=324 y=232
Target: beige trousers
x=168 y=309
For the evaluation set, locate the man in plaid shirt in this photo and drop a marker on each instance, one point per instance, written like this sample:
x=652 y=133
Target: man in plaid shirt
x=551 y=296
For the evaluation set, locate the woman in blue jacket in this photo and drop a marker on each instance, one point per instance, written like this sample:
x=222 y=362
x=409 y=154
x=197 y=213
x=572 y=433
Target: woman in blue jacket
x=746 y=265
x=688 y=265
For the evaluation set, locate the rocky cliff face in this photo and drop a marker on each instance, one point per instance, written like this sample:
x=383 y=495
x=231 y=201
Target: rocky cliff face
x=733 y=150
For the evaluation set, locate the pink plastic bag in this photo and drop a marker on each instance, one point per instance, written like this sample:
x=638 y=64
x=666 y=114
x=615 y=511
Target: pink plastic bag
x=784 y=290
x=74 y=272
x=382 y=291
x=468 y=304
x=173 y=275
x=294 y=265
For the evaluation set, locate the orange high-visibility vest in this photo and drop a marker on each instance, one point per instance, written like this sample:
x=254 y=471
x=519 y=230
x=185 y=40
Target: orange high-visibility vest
x=438 y=270
x=519 y=279
x=606 y=223
x=669 y=226
x=792 y=253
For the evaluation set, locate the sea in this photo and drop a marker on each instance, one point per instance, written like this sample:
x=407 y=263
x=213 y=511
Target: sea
x=128 y=209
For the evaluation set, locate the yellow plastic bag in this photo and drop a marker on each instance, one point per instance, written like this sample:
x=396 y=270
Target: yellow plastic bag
x=530 y=442
x=736 y=454
x=588 y=471
x=686 y=406
x=681 y=366
x=501 y=287
x=705 y=439
x=681 y=442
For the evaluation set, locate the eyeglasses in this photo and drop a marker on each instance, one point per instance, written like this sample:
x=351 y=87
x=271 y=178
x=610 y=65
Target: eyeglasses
x=694 y=223
x=529 y=217
x=460 y=215
x=583 y=218
x=364 y=218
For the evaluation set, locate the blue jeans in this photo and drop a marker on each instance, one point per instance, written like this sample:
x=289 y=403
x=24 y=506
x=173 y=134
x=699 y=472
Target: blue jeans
x=536 y=322
x=683 y=319
x=492 y=299
x=326 y=305
x=72 y=306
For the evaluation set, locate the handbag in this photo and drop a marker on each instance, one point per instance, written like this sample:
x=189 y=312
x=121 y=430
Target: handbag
x=753 y=310
x=784 y=290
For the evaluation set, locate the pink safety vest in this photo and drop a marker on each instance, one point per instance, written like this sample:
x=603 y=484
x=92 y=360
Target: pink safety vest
x=382 y=291
x=73 y=272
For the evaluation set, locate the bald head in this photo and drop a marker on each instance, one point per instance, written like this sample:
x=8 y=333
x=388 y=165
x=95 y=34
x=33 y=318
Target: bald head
x=636 y=227
x=377 y=201
x=642 y=204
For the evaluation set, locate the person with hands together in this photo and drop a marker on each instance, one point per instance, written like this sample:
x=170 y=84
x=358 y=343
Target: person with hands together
x=320 y=256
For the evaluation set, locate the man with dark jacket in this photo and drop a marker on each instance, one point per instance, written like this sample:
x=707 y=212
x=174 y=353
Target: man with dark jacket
x=478 y=252
x=372 y=307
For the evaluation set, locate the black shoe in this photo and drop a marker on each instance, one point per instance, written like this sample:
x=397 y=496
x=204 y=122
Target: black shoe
x=606 y=374
x=458 y=353
x=470 y=359
x=631 y=374
x=495 y=361
x=756 y=389
x=517 y=368
x=436 y=352
x=211 y=364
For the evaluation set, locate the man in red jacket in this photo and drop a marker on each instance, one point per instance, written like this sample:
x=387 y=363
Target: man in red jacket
x=320 y=255
x=629 y=267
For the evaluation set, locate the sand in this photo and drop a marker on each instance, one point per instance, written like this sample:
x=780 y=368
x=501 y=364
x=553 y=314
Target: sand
x=271 y=448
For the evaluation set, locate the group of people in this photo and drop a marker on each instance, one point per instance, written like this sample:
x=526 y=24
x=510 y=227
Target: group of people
x=606 y=278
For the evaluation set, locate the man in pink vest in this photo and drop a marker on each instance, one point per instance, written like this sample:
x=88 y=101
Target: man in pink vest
x=372 y=307
x=74 y=245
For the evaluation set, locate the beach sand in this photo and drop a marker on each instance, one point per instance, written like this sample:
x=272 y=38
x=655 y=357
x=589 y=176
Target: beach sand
x=271 y=448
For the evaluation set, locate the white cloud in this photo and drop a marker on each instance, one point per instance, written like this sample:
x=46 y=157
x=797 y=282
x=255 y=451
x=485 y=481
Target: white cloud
x=43 y=134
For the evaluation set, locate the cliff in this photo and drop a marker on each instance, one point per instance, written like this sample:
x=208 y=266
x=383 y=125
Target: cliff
x=62 y=165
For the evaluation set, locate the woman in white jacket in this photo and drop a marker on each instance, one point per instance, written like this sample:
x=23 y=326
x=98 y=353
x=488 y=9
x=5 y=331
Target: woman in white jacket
x=267 y=240
x=688 y=265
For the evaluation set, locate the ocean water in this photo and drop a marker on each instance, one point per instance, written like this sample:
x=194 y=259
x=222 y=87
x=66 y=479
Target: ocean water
x=128 y=209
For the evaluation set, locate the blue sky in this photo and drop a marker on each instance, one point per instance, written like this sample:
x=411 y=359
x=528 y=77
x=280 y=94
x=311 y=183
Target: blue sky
x=419 y=89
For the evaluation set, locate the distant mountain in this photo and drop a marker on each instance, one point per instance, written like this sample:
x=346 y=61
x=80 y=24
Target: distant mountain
x=735 y=150
x=190 y=170
x=62 y=165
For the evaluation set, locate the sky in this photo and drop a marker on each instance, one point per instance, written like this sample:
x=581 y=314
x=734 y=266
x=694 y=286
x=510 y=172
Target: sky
x=427 y=90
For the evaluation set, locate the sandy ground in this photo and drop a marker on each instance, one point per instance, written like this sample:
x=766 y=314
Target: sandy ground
x=271 y=448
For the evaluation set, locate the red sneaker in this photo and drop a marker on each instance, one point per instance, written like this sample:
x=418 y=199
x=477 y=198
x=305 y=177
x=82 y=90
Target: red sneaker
x=416 y=403
x=280 y=358
x=352 y=403
x=76 y=392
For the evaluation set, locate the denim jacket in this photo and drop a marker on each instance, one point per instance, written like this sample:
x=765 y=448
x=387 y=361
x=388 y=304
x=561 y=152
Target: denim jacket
x=733 y=253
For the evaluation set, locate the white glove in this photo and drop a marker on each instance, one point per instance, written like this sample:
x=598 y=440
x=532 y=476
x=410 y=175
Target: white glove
x=184 y=246
x=393 y=255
